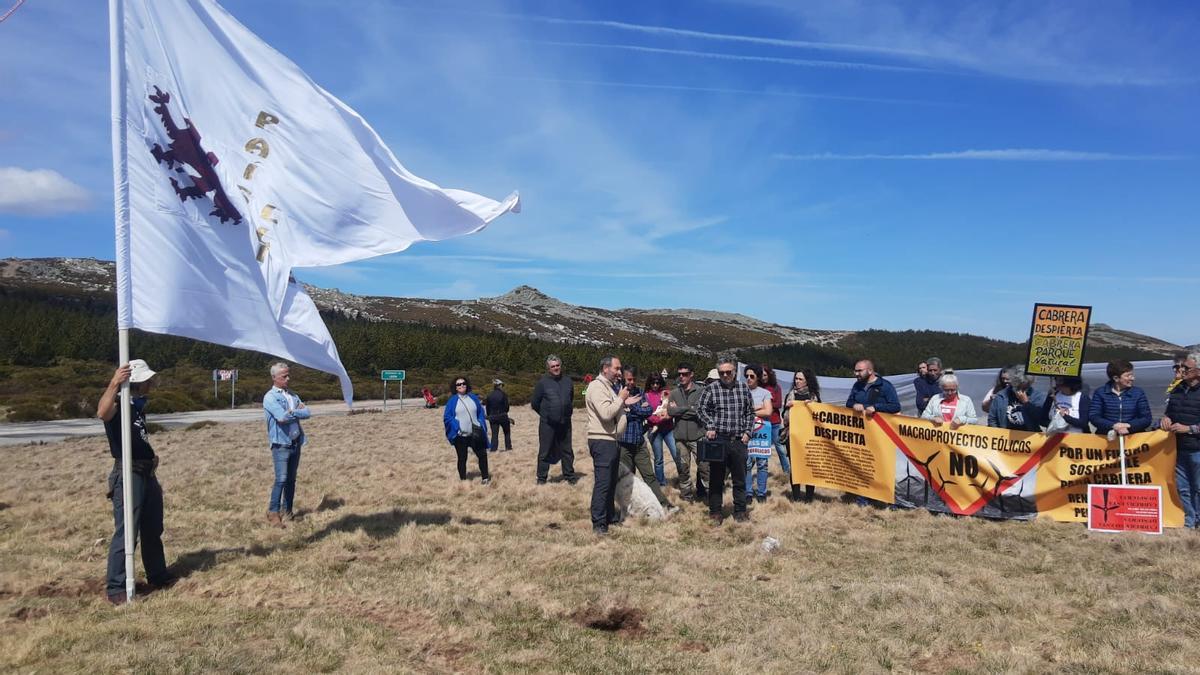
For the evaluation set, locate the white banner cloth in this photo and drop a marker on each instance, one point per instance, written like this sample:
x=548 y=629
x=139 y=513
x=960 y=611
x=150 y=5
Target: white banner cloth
x=231 y=168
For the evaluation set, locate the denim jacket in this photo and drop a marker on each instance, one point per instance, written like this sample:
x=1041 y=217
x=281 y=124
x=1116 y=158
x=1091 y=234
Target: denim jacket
x=283 y=424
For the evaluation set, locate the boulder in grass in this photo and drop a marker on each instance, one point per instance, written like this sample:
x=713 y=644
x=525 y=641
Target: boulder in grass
x=635 y=499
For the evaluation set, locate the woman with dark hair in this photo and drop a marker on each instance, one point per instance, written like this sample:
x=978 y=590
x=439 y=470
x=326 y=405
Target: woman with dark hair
x=466 y=428
x=1118 y=406
x=659 y=425
x=771 y=385
x=757 y=466
x=805 y=388
x=1068 y=400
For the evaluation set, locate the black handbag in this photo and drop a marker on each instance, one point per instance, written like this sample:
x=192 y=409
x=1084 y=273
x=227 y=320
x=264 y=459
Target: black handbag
x=711 y=451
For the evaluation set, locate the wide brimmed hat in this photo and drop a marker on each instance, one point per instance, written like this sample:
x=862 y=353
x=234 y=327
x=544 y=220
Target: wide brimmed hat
x=139 y=371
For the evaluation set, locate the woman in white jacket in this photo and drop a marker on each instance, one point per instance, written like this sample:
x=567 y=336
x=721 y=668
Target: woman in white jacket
x=950 y=406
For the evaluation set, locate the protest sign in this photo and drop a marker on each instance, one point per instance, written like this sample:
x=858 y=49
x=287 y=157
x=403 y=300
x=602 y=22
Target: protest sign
x=760 y=440
x=1125 y=508
x=1057 y=337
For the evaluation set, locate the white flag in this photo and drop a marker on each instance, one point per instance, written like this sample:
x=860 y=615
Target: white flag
x=231 y=168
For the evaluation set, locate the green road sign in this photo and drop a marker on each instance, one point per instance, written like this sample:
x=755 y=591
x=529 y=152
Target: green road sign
x=392 y=375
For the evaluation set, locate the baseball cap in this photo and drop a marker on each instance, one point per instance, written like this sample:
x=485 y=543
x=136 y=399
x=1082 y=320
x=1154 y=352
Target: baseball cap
x=713 y=375
x=498 y=382
x=139 y=371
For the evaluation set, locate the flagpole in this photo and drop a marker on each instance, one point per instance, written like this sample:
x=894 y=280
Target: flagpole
x=117 y=85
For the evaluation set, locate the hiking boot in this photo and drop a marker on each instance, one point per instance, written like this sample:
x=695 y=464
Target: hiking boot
x=600 y=530
x=761 y=499
x=541 y=481
x=161 y=584
x=275 y=520
x=486 y=481
x=715 y=519
x=671 y=509
x=117 y=599
x=571 y=479
x=291 y=516
x=741 y=517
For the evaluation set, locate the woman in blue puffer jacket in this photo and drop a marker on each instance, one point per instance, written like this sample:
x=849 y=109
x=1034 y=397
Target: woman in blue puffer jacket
x=466 y=427
x=1118 y=406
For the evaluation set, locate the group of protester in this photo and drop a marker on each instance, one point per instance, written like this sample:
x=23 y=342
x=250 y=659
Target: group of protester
x=706 y=426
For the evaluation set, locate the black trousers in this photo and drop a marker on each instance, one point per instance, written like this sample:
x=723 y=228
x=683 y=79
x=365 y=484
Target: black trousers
x=497 y=425
x=554 y=444
x=606 y=460
x=735 y=466
x=464 y=443
x=148 y=528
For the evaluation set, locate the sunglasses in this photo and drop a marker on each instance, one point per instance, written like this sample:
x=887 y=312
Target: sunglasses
x=460 y=384
x=723 y=373
x=684 y=373
x=751 y=376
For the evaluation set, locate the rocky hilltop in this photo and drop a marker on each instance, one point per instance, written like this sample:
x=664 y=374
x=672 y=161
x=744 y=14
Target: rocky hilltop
x=525 y=311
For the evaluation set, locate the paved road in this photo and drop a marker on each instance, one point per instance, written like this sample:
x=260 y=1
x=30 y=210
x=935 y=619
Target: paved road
x=18 y=433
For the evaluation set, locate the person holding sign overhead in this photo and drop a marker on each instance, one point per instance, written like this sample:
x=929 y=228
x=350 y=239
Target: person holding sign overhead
x=1118 y=406
x=1018 y=406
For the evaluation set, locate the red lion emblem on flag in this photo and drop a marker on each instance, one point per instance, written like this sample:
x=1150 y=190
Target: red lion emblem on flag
x=185 y=149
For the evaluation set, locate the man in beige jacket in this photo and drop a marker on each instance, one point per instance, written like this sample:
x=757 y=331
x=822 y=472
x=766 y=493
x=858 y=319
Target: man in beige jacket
x=606 y=422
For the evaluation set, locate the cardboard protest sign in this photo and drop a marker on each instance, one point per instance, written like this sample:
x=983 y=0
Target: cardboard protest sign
x=1057 y=337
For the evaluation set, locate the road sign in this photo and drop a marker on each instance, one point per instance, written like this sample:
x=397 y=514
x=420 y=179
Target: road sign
x=392 y=375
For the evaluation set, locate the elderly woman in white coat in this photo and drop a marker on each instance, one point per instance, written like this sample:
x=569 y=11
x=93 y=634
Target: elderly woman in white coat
x=950 y=407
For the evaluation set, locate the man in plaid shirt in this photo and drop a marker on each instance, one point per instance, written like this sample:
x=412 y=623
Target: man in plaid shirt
x=727 y=413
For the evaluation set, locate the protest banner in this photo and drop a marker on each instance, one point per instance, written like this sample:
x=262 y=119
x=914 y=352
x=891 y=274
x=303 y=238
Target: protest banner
x=973 y=470
x=830 y=449
x=1057 y=337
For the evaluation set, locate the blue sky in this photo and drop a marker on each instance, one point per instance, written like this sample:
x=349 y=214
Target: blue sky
x=837 y=164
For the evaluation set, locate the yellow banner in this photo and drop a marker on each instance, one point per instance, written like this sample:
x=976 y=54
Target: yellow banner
x=1081 y=459
x=830 y=449
x=1056 y=339
x=972 y=470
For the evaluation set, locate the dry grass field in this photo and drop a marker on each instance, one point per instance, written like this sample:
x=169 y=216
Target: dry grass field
x=397 y=567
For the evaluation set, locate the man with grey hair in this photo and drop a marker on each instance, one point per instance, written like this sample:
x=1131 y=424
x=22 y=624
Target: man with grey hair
x=926 y=384
x=1183 y=419
x=283 y=410
x=1019 y=405
x=726 y=411
x=554 y=399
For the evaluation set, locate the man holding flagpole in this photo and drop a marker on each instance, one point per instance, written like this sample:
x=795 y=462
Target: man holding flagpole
x=146 y=498
x=230 y=168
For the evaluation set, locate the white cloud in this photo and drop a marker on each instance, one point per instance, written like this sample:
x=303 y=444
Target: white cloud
x=719 y=37
x=1116 y=43
x=723 y=56
x=1005 y=155
x=39 y=192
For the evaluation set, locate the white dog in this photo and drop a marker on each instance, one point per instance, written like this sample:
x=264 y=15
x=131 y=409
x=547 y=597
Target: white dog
x=635 y=498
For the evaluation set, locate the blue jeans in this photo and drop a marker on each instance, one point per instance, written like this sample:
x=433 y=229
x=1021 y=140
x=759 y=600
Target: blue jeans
x=1187 y=479
x=283 y=492
x=782 y=451
x=656 y=443
x=756 y=467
